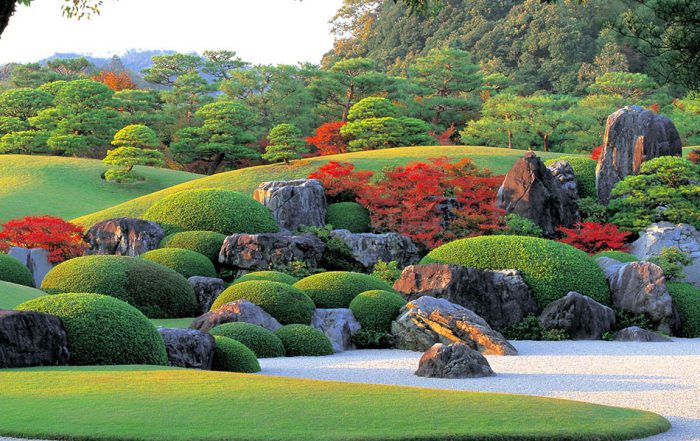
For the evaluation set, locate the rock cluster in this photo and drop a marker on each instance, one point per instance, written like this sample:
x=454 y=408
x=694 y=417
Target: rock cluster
x=123 y=236
x=257 y=252
x=368 y=248
x=294 y=203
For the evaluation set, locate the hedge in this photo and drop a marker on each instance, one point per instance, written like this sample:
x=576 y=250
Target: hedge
x=271 y=276
x=284 y=302
x=103 y=330
x=203 y=242
x=375 y=310
x=617 y=255
x=336 y=289
x=157 y=291
x=304 y=340
x=686 y=300
x=233 y=356
x=348 y=216
x=551 y=269
x=187 y=263
x=13 y=271
x=261 y=341
x=584 y=169
x=222 y=211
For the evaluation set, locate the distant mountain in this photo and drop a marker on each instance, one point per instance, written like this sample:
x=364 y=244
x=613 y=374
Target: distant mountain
x=134 y=59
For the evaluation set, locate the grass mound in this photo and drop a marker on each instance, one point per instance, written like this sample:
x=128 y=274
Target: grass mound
x=348 y=216
x=336 y=289
x=12 y=294
x=617 y=255
x=185 y=262
x=233 y=356
x=271 y=276
x=203 y=242
x=261 y=341
x=304 y=341
x=686 y=300
x=12 y=271
x=375 y=310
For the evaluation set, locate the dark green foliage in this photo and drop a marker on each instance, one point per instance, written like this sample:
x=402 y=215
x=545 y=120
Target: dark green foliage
x=672 y=261
x=348 y=216
x=233 y=356
x=336 y=289
x=375 y=310
x=592 y=211
x=271 y=276
x=369 y=339
x=387 y=271
x=304 y=341
x=551 y=269
x=282 y=301
x=617 y=255
x=12 y=270
x=686 y=300
x=337 y=256
x=226 y=212
x=517 y=225
x=262 y=342
x=186 y=262
x=584 y=170
x=624 y=319
x=203 y=242
x=157 y=291
x=530 y=329
x=103 y=330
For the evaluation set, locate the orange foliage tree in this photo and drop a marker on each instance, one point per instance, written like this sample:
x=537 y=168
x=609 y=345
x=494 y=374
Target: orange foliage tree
x=115 y=80
x=328 y=140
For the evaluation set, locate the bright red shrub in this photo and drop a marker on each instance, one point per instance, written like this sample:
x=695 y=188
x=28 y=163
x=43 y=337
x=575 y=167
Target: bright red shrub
x=328 y=140
x=444 y=137
x=595 y=154
x=62 y=239
x=341 y=181
x=694 y=156
x=593 y=237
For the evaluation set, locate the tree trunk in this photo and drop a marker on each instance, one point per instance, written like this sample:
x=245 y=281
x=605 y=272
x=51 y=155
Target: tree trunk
x=218 y=159
x=349 y=96
x=7 y=8
x=129 y=168
x=510 y=139
x=546 y=142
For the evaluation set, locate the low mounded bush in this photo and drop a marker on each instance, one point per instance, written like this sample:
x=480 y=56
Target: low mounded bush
x=186 y=262
x=261 y=341
x=12 y=270
x=617 y=255
x=336 y=289
x=551 y=269
x=233 y=356
x=271 y=276
x=304 y=340
x=284 y=302
x=348 y=216
x=584 y=169
x=102 y=329
x=203 y=242
x=155 y=290
x=375 y=310
x=686 y=300
x=223 y=211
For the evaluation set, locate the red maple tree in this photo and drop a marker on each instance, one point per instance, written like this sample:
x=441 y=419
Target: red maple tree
x=115 y=80
x=63 y=240
x=595 y=154
x=444 y=137
x=340 y=180
x=328 y=140
x=593 y=237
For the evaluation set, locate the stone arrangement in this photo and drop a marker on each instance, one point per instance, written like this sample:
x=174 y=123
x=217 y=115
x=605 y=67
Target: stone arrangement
x=123 y=236
x=36 y=259
x=294 y=203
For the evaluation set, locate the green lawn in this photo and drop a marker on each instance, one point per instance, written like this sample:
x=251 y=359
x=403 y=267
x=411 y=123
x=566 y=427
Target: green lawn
x=173 y=323
x=70 y=187
x=145 y=403
x=12 y=295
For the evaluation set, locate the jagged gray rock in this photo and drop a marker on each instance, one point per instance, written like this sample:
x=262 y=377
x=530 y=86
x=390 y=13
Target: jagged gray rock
x=453 y=361
x=294 y=203
x=564 y=174
x=123 y=236
x=206 y=289
x=188 y=348
x=36 y=259
x=29 y=338
x=237 y=311
x=339 y=324
x=368 y=248
x=258 y=252
x=580 y=316
x=635 y=333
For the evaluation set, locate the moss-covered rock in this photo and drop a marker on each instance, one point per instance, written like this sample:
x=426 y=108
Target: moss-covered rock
x=336 y=289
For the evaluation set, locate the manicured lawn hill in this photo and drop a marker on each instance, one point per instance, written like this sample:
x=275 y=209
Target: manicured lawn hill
x=12 y=295
x=154 y=403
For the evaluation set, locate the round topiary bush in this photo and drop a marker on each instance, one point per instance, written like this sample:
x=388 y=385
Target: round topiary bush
x=186 y=262
x=284 y=302
x=617 y=255
x=261 y=341
x=203 y=242
x=12 y=270
x=102 y=329
x=223 y=211
x=304 y=340
x=348 y=216
x=584 y=169
x=157 y=291
x=233 y=356
x=336 y=289
x=270 y=276
x=375 y=310
x=686 y=300
x=551 y=269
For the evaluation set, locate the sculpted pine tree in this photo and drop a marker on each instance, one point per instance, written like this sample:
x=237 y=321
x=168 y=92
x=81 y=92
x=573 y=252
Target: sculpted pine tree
x=135 y=146
x=286 y=143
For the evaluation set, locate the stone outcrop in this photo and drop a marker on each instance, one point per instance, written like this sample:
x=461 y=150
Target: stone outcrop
x=237 y=311
x=453 y=361
x=635 y=333
x=30 y=338
x=188 y=348
x=580 y=316
x=123 y=236
x=564 y=174
x=368 y=249
x=427 y=320
x=633 y=135
x=530 y=190
x=206 y=290
x=258 y=252
x=339 y=325
x=36 y=259
x=500 y=297
x=294 y=203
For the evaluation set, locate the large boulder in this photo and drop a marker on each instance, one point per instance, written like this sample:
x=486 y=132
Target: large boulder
x=339 y=325
x=259 y=252
x=633 y=135
x=427 y=320
x=188 y=348
x=206 y=289
x=238 y=311
x=123 y=236
x=30 y=338
x=580 y=316
x=294 y=203
x=635 y=333
x=501 y=297
x=453 y=361
x=368 y=248
x=36 y=259
x=662 y=235
x=531 y=190
x=564 y=174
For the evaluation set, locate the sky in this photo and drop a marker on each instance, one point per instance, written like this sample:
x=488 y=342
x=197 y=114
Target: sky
x=260 y=31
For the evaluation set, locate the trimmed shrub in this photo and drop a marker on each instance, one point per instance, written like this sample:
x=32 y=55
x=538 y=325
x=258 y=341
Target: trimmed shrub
x=186 y=262
x=620 y=256
x=304 y=340
x=262 y=342
x=223 y=211
x=12 y=270
x=336 y=289
x=686 y=300
x=348 y=216
x=203 y=242
x=233 y=356
x=375 y=310
x=102 y=329
x=584 y=169
x=551 y=269
x=284 y=302
x=157 y=291
x=270 y=276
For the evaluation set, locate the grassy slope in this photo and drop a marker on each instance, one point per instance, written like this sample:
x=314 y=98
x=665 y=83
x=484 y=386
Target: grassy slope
x=12 y=295
x=125 y=403
x=174 y=323
x=69 y=187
